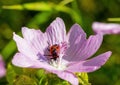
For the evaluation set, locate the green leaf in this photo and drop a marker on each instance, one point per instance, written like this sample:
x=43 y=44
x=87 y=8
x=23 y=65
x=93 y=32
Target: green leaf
x=43 y=6
x=9 y=49
x=64 y=2
x=40 y=73
x=74 y=15
x=36 y=6
x=77 y=14
x=30 y=71
x=114 y=19
x=16 y=7
x=17 y=70
x=25 y=80
x=11 y=75
x=38 y=19
x=21 y=76
x=83 y=78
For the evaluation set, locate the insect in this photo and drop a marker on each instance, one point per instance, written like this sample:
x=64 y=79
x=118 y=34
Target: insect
x=54 y=51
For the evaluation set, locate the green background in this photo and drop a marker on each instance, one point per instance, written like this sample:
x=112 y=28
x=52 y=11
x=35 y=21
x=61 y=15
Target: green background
x=38 y=14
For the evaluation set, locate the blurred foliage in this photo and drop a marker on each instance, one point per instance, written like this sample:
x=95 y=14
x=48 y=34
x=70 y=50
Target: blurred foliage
x=38 y=14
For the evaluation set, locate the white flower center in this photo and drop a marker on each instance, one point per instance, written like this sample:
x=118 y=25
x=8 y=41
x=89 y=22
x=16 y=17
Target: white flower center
x=57 y=52
x=58 y=64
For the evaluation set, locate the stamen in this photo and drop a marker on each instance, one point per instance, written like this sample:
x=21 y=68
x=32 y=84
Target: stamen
x=54 y=63
x=57 y=51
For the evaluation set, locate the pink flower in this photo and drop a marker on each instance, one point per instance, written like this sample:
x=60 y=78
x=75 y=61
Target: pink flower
x=60 y=53
x=2 y=68
x=105 y=28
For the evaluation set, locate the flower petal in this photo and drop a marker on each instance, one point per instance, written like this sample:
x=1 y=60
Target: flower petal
x=90 y=47
x=2 y=68
x=77 y=39
x=24 y=47
x=89 y=65
x=81 y=48
x=23 y=61
x=34 y=37
x=105 y=28
x=68 y=76
x=56 y=32
x=29 y=34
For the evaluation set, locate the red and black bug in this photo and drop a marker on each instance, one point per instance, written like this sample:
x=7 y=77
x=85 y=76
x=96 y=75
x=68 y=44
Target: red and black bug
x=54 y=51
